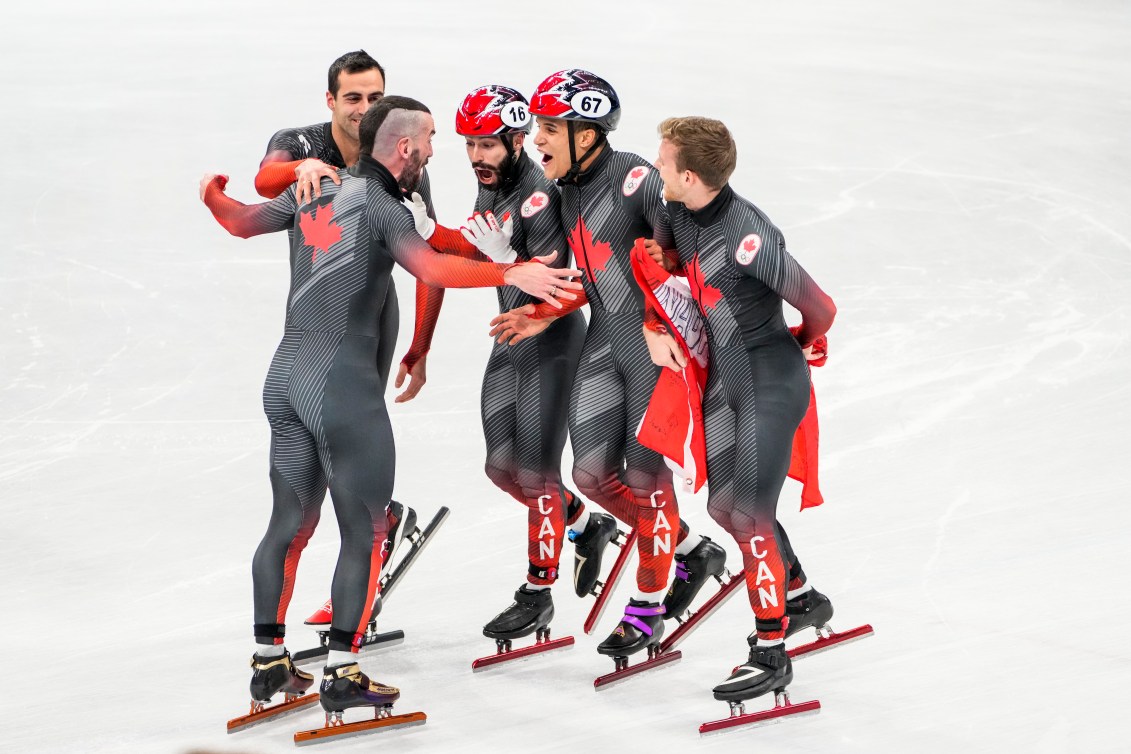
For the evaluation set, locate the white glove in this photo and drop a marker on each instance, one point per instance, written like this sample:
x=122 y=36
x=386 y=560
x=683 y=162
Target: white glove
x=484 y=232
x=425 y=225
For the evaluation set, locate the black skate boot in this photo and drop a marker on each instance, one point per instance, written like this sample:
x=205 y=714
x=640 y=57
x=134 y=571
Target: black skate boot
x=767 y=669
x=588 y=547
x=270 y=675
x=642 y=626
x=809 y=610
x=402 y=521
x=692 y=571
x=345 y=686
x=532 y=610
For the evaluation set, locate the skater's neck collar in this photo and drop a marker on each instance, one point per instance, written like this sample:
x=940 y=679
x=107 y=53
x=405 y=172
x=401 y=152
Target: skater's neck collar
x=367 y=167
x=594 y=168
x=710 y=213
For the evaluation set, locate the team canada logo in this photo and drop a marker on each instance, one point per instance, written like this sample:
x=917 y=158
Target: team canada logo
x=633 y=180
x=748 y=249
x=534 y=204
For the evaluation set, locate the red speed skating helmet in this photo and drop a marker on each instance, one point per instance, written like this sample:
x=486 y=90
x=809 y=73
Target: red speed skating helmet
x=493 y=110
x=577 y=95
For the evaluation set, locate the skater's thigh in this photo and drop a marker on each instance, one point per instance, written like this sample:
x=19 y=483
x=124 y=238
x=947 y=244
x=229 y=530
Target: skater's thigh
x=498 y=408
x=597 y=413
x=358 y=436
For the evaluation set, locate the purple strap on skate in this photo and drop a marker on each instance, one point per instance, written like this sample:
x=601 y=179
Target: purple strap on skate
x=681 y=571
x=632 y=611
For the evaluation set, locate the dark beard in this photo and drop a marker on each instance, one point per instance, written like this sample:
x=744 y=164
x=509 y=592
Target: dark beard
x=500 y=171
x=410 y=176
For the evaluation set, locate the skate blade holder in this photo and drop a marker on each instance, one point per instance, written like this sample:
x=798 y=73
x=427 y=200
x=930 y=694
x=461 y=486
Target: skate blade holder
x=739 y=718
x=724 y=578
x=336 y=729
x=657 y=659
x=827 y=638
x=620 y=539
x=261 y=713
x=505 y=653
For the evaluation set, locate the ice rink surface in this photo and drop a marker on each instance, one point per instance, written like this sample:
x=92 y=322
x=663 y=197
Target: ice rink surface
x=952 y=174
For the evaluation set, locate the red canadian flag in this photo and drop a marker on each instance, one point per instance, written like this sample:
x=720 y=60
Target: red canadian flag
x=673 y=423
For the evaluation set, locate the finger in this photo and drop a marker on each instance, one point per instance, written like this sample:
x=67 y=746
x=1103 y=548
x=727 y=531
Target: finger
x=482 y=225
x=552 y=301
x=316 y=185
x=416 y=198
x=492 y=223
x=468 y=235
x=547 y=258
x=679 y=358
x=333 y=176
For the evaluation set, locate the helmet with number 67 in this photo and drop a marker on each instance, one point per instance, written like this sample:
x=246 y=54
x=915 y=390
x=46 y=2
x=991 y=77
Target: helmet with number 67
x=577 y=95
x=493 y=110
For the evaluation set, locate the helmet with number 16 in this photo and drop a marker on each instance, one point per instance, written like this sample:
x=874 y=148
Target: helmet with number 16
x=493 y=110
x=577 y=95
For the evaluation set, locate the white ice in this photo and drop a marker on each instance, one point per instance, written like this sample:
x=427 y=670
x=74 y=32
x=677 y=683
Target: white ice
x=955 y=175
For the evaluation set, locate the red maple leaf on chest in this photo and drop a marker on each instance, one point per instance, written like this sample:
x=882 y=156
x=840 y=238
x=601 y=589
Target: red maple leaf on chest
x=708 y=296
x=319 y=231
x=536 y=201
x=592 y=255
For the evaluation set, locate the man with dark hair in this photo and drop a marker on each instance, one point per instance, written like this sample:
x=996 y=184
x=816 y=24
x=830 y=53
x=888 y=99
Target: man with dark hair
x=323 y=396
x=356 y=81
x=526 y=387
x=757 y=391
x=306 y=155
x=610 y=198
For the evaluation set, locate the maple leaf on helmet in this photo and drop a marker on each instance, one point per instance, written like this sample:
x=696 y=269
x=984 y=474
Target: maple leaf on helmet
x=493 y=110
x=576 y=94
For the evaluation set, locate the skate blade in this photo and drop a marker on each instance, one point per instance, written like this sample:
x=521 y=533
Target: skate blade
x=718 y=599
x=757 y=719
x=423 y=539
x=618 y=676
x=379 y=642
x=348 y=730
x=610 y=584
x=521 y=653
x=272 y=713
x=828 y=642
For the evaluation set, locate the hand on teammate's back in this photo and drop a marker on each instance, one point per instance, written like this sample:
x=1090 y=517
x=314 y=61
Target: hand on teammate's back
x=309 y=174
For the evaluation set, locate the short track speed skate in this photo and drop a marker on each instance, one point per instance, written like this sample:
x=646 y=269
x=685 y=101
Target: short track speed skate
x=530 y=613
x=640 y=629
x=814 y=610
x=404 y=530
x=589 y=561
x=768 y=668
x=272 y=675
x=346 y=687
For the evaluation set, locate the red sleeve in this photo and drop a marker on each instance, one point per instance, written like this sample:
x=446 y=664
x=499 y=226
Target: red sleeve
x=428 y=303
x=273 y=178
x=247 y=220
x=544 y=310
x=452 y=242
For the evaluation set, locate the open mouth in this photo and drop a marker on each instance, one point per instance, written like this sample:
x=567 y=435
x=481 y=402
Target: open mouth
x=485 y=175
